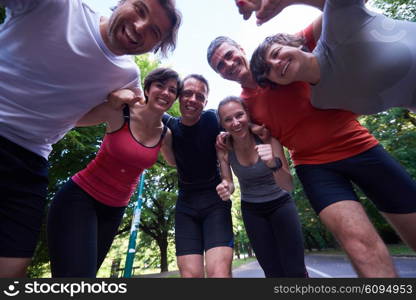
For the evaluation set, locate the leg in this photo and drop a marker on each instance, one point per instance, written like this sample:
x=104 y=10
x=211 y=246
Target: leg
x=218 y=239
x=191 y=266
x=188 y=242
x=72 y=233
x=218 y=262
x=405 y=225
x=260 y=234
x=13 y=267
x=288 y=236
x=329 y=189
x=108 y=221
x=391 y=189
x=23 y=182
x=275 y=233
x=350 y=225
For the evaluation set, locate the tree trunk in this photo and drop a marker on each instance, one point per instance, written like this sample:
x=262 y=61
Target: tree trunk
x=237 y=249
x=163 y=246
x=250 y=250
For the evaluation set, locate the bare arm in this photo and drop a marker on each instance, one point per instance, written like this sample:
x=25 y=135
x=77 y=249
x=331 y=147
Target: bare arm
x=282 y=176
x=103 y=113
x=167 y=150
x=267 y=9
x=226 y=187
x=121 y=97
x=111 y=110
x=268 y=154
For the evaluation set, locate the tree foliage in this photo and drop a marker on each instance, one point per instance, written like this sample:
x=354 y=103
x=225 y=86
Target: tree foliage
x=397 y=9
x=2 y=14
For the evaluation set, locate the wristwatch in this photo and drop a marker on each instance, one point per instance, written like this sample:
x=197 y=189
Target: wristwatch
x=278 y=164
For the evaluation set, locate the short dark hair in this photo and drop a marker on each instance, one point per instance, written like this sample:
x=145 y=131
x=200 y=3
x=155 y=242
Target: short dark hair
x=197 y=77
x=168 y=44
x=258 y=64
x=216 y=43
x=162 y=75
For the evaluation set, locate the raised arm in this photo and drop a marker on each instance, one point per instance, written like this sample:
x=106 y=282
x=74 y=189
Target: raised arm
x=226 y=187
x=267 y=9
x=282 y=176
x=103 y=113
x=167 y=150
x=273 y=156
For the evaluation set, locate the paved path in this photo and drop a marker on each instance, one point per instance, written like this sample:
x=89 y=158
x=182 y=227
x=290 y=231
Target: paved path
x=329 y=266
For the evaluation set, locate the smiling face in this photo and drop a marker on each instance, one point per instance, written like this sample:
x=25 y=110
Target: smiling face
x=136 y=27
x=161 y=95
x=234 y=119
x=230 y=62
x=285 y=63
x=192 y=100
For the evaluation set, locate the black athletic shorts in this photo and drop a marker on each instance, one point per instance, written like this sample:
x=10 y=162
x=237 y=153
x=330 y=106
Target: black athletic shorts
x=375 y=172
x=202 y=221
x=23 y=184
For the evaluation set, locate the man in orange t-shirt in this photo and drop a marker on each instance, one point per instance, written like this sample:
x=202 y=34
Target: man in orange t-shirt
x=330 y=150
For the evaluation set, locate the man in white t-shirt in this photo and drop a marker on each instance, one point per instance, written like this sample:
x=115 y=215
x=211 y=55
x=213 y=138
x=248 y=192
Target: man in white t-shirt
x=59 y=59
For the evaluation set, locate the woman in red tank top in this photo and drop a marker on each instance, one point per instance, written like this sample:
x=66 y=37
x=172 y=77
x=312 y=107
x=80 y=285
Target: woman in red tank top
x=85 y=214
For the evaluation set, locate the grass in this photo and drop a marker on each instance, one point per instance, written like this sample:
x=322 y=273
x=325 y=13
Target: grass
x=394 y=249
x=242 y=261
x=174 y=273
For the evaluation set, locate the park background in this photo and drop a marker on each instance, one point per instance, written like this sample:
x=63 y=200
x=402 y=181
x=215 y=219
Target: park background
x=395 y=129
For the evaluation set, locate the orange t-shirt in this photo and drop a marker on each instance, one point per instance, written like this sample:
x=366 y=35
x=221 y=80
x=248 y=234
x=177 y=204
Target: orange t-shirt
x=313 y=136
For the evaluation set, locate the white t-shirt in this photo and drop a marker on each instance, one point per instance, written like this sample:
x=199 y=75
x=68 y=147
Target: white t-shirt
x=54 y=67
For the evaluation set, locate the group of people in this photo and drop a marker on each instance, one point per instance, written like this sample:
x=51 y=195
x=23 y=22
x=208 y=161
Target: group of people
x=295 y=94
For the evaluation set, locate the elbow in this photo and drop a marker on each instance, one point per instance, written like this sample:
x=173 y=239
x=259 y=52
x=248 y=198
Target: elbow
x=170 y=162
x=289 y=188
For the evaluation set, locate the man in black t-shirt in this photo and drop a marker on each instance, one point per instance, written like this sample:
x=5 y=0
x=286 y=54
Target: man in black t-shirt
x=202 y=220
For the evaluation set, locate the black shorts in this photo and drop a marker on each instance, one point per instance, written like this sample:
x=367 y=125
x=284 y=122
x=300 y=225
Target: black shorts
x=23 y=183
x=375 y=172
x=200 y=227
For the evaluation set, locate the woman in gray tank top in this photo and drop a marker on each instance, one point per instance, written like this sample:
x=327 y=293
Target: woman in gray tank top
x=269 y=212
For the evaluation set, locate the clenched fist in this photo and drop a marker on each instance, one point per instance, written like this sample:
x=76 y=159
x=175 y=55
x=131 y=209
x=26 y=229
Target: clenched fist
x=265 y=9
x=246 y=7
x=265 y=153
x=121 y=97
x=224 y=190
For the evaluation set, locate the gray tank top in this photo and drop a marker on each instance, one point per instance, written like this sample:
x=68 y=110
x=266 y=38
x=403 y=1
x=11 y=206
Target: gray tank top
x=257 y=183
x=367 y=61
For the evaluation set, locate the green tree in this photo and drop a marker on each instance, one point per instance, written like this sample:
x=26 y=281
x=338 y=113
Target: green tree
x=242 y=244
x=157 y=220
x=397 y=9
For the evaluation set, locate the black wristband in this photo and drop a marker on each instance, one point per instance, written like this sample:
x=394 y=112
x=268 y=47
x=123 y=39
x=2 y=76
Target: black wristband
x=278 y=164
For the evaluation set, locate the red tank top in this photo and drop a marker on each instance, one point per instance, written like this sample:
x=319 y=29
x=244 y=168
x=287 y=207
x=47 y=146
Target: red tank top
x=112 y=176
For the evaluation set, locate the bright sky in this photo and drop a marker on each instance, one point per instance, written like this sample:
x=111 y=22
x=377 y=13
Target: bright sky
x=205 y=20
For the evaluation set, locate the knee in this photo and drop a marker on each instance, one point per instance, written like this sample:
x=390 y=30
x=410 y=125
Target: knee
x=363 y=246
x=191 y=272
x=219 y=271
